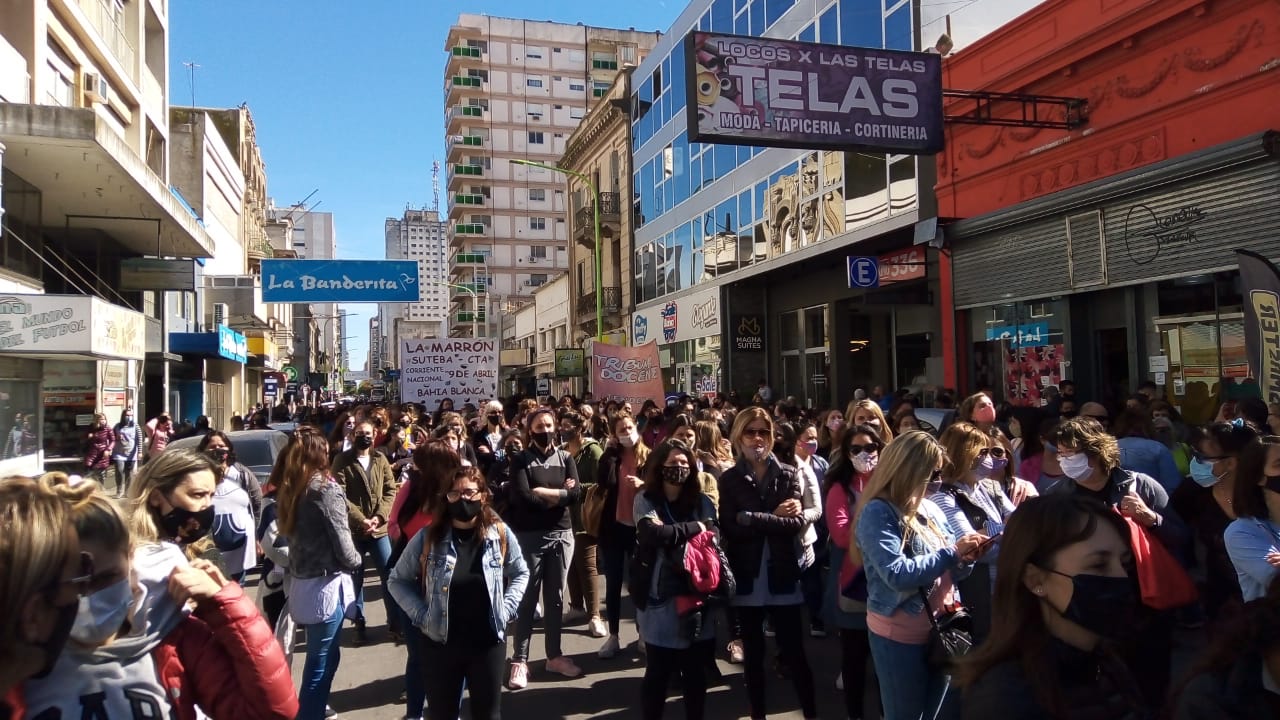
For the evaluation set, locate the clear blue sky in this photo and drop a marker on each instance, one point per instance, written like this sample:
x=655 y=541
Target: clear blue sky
x=348 y=97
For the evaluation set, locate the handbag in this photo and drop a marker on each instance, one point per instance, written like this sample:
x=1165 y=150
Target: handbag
x=593 y=509
x=950 y=638
x=1164 y=583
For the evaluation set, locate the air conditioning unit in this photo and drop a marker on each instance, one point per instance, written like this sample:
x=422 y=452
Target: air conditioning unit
x=221 y=311
x=96 y=88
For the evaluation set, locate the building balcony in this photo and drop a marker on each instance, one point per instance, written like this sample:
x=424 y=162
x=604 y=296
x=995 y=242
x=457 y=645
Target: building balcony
x=470 y=229
x=461 y=115
x=464 y=290
x=611 y=301
x=458 y=145
x=610 y=217
x=465 y=170
x=471 y=260
x=466 y=56
x=106 y=17
x=457 y=87
x=467 y=316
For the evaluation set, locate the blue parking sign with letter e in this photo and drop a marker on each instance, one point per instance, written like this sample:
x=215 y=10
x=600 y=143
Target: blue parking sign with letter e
x=864 y=272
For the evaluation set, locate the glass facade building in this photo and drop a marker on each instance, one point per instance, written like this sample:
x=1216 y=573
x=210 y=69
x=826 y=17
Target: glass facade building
x=704 y=211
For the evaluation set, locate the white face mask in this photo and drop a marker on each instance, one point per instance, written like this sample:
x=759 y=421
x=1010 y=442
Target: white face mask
x=102 y=613
x=865 y=462
x=1075 y=466
x=630 y=439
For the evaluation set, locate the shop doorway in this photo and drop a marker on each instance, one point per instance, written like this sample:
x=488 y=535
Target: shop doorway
x=695 y=379
x=806 y=356
x=1113 y=365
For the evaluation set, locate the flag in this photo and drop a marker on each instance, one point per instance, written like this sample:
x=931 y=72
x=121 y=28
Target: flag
x=1260 y=282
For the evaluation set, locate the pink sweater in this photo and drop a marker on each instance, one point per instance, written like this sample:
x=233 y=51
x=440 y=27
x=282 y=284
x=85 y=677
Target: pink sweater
x=839 y=511
x=416 y=523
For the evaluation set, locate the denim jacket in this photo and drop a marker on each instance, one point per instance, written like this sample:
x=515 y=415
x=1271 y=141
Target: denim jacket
x=894 y=576
x=506 y=580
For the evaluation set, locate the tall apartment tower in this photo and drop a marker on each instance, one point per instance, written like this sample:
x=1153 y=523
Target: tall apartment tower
x=516 y=89
x=419 y=235
x=314 y=237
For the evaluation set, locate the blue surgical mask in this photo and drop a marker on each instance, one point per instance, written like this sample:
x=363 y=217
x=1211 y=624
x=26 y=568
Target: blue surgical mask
x=1202 y=473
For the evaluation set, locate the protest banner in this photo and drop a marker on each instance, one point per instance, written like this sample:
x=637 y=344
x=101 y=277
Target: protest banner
x=627 y=374
x=464 y=371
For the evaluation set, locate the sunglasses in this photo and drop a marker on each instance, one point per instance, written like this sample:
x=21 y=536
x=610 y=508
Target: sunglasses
x=868 y=448
x=468 y=494
x=994 y=452
x=757 y=433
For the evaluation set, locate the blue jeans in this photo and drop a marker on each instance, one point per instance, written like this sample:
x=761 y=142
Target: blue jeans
x=909 y=688
x=323 y=653
x=415 y=689
x=380 y=548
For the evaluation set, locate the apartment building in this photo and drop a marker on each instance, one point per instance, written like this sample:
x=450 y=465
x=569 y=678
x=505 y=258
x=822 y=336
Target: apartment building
x=515 y=90
x=317 y=327
x=419 y=235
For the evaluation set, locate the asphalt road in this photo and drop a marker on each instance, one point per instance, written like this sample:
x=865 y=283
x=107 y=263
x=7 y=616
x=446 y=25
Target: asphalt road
x=370 y=679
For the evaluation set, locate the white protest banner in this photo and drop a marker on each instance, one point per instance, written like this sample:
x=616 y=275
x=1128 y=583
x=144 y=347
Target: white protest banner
x=464 y=371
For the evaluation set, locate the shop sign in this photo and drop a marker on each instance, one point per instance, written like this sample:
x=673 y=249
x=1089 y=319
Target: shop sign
x=1020 y=336
x=748 y=333
x=114 y=374
x=232 y=345
x=1261 y=286
x=270 y=387
x=1147 y=234
x=69 y=375
x=139 y=274
x=902 y=265
x=690 y=317
x=114 y=399
x=782 y=93
x=570 y=362
x=70 y=324
x=327 y=281
x=69 y=399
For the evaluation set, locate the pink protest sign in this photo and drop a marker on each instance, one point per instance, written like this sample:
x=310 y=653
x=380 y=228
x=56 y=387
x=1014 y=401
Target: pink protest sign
x=627 y=374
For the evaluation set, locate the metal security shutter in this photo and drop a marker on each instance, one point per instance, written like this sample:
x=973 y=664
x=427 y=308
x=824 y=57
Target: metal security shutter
x=1085 y=250
x=1193 y=226
x=1029 y=261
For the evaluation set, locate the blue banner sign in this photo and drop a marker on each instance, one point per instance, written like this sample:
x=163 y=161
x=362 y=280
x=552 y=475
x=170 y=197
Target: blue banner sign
x=232 y=345
x=310 y=281
x=1021 y=336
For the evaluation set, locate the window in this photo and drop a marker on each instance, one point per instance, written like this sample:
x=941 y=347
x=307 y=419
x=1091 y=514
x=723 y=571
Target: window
x=537 y=195
x=533 y=82
x=538 y=223
x=577 y=87
x=535 y=110
x=533 y=53
x=538 y=279
x=577 y=113
x=537 y=137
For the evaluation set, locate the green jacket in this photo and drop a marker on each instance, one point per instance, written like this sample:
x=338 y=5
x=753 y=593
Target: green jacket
x=369 y=494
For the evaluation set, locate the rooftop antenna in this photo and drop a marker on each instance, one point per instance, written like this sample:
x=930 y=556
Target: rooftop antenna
x=191 y=67
x=435 y=187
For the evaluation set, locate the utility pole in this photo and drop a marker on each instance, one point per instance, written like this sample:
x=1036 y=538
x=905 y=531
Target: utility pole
x=191 y=67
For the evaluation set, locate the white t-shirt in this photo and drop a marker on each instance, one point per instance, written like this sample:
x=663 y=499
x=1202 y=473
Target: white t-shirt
x=365 y=462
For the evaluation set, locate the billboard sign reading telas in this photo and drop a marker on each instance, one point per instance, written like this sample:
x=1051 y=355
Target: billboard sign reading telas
x=782 y=93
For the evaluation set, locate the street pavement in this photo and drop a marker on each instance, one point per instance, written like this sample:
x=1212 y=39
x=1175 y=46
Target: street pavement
x=370 y=678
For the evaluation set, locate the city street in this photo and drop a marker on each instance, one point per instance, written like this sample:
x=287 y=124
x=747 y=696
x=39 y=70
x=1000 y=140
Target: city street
x=370 y=679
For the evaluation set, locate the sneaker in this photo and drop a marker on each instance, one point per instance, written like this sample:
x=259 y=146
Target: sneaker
x=564 y=666
x=610 y=648
x=735 y=652
x=330 y=713
x=840 y=681
x=519 y=678
x=768 y=629
x=817 y=630
x=597 y=627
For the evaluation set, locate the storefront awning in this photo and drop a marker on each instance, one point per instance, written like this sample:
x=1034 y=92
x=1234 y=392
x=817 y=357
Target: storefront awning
x=225 y=344
x=66 y=326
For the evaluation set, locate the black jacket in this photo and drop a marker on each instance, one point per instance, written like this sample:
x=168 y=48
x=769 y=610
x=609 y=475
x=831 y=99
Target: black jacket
x=1235 y=693
x=748 y=522
x=534 y=469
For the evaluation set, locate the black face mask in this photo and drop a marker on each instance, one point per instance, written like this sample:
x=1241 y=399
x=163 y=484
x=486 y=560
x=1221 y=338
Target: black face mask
x=465 y=510
x=541 y=439
x=363 y=442
x=1100 y=604
x=674 y=475
x=512 y=449
x=175 y=524
x=1272 y=483
x=65 y=620
x=495 y=419
x=220 y=455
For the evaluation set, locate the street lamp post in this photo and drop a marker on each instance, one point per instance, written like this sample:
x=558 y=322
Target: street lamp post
x=595 y=218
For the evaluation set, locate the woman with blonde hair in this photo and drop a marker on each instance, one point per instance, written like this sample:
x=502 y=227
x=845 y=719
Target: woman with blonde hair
x=42 y=574
x=710 y=448
x=867 y=412
x=322 y=556
x=134 y=648
x=171 y=499
x=911 y=561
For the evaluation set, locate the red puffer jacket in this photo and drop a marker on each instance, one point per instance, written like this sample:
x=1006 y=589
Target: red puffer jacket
x=224 y=658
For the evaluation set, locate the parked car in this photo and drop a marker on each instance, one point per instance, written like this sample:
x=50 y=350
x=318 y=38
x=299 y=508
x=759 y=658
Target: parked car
x=934 y=420
x=255 y=449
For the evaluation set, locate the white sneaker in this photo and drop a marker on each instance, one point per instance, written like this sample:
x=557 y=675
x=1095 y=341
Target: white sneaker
x=597 y=627
x=610 y=648
x=840 y=681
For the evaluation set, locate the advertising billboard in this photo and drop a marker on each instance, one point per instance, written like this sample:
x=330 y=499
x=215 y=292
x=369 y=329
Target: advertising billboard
x=783 y=93
x=331 y=281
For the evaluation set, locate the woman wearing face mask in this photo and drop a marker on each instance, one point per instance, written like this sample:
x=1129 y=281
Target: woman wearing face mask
x=544 y=483
x=136 y=652
x=584 y=595
x=683 y=428
x=911 y=562
x=1223 y=451
x=970 y=496
x=340 y=439
x=460 y=581
x=233 y=513
x=670 y=512
x=1063 y=594
x=499 y=476
x=654 y=430
x=830 y=425
x=1023 y=423
x=1050 y=472
x=979 y=410
x=620 y=469
x=398 y=448
x=764 y=521
x=369 y=484
x=867 y=412
x=487 y=441
x=100 y=443
x=42 y=575
x=171 y=500
x=788 y=448
x=219 y=447
x=1253 y=538
x=126 y=450
x=1091 y=458
x=313 y=516
x=856 y=459
x=454 y=422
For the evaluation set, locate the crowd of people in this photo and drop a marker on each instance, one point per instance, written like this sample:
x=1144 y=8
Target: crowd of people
x=1015 y=562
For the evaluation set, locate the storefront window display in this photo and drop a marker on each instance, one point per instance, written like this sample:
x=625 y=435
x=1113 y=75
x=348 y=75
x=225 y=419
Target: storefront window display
x=19 y=418
x=1202 y=337
x=1019 y=349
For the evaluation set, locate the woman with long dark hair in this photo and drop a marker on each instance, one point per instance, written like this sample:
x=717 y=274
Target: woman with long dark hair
x=460 y=581
x=1063 y=594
